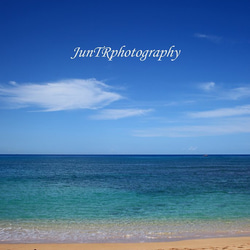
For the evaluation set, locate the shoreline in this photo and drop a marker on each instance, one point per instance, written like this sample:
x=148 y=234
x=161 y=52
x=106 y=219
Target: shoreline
x=78 y=233
x=242 y=243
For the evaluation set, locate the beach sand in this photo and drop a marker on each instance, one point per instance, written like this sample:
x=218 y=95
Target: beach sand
x=241 y=243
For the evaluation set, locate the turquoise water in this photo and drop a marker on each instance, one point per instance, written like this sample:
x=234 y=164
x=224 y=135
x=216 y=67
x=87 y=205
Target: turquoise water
x=48 y=198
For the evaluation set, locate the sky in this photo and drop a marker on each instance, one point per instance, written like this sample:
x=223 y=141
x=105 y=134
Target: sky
x=124 y=77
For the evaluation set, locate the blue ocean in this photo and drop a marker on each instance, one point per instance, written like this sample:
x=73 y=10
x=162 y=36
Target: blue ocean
x=123 y=198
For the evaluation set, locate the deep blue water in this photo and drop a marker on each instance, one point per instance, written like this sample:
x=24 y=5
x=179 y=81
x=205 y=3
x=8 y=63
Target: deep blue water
x=122 y=198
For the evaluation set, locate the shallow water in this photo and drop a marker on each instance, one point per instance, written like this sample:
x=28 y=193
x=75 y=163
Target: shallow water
x=48 y=198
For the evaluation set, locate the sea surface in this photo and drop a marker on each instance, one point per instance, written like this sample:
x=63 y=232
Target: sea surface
x=123 y=198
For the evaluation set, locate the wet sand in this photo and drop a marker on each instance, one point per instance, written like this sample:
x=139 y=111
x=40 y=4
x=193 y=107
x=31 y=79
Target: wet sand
x=240 y=243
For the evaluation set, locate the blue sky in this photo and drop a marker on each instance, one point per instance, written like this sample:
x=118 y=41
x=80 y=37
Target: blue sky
x=196 y=104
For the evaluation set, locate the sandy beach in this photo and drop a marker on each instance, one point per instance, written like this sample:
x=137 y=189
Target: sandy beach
x=242 y=243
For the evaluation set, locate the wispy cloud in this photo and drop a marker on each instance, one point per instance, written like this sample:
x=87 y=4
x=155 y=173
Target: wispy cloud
x=237 y=93
x=211 y=38
x=227 y=127
x=114 y=114
x=62 y=95
x=223 y=112
x=208 y=86
x=179 y=103
x=192 y=148
x=225 y=93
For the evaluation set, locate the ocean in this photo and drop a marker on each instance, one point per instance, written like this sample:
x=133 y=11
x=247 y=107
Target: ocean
x=123 y=198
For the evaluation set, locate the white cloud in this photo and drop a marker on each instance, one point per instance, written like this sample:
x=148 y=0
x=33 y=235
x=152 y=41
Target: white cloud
x=211 y=38
x=223 y=93
x=175 y=103
x=223 y=112
x=227 y=127
x=12 y=83
x=208 y=86
x=113 y=114
x=192 y=148
x=62 y=95
x=236 y=93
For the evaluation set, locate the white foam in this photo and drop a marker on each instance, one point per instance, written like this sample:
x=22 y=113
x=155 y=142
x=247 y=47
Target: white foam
x=119 y=231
